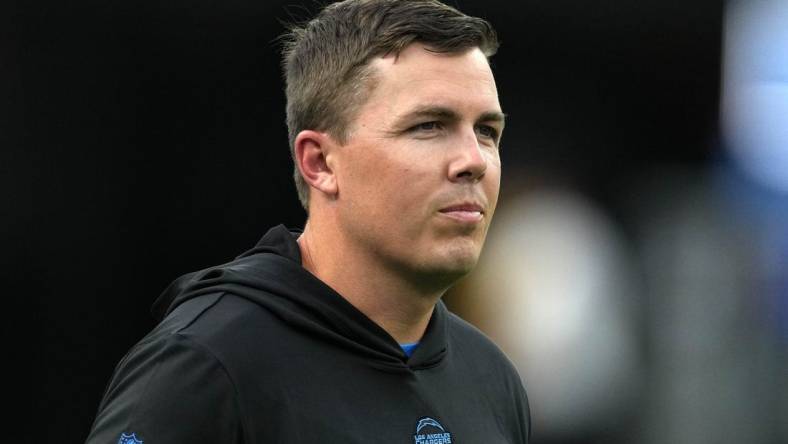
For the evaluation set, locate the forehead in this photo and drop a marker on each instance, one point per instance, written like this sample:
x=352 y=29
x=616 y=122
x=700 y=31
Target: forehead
x=417 y=77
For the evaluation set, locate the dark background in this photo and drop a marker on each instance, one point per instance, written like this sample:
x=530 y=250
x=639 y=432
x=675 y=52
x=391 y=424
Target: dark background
x=141 y=140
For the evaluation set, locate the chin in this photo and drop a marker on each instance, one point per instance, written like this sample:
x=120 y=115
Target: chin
x=453 y=263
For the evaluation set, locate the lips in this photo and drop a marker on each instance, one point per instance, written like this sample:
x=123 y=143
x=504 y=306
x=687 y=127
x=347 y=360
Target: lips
x=463 y=207
x=464 y=212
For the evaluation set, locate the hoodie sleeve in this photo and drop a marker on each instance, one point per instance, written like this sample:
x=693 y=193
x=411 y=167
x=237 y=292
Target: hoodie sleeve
x=167 y=391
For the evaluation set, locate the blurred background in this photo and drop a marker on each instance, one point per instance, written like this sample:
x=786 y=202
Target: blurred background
x=636 y=271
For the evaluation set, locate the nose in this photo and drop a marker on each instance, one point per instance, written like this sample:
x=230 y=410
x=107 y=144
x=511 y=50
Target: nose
x=468 y=163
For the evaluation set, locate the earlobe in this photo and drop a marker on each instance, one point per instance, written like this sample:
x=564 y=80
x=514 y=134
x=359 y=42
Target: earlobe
x=312 y=149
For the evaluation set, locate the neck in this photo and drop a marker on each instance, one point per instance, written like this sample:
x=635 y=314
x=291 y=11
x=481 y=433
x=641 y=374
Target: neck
x=395 y=303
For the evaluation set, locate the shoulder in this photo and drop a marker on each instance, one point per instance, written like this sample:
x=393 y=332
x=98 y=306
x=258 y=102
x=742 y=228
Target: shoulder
x=222 y=322
x=483 y=358
x=468 y=339
x=247 y=338
x=208 y=332
x=169 y=378
x=171 y=344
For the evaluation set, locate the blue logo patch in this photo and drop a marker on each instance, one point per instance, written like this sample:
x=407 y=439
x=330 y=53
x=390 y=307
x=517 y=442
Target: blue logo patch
x=129 y=439
x=430 y=431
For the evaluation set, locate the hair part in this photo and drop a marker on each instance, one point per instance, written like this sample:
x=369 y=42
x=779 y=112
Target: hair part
x=326 y=61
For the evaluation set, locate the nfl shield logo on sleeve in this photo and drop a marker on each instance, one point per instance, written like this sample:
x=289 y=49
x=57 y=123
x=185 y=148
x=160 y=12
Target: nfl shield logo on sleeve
x=129 y=439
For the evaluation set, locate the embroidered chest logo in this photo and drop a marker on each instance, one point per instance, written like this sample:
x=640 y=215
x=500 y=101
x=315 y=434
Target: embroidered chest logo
x=129 y=439
x=430 y=431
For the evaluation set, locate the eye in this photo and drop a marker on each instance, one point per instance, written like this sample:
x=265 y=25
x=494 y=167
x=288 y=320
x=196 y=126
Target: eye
x=487 y=132
x=427 y=126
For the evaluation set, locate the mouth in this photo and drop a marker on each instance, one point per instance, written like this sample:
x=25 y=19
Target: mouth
x=465 y=212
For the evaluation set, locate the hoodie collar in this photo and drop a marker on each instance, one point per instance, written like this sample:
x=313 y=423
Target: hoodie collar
x=280 y=241
x=270 y=274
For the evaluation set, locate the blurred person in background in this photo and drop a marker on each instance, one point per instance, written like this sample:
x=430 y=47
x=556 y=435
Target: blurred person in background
x=337 y=333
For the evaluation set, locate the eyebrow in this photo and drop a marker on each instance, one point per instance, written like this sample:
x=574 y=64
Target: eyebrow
x=449 y=114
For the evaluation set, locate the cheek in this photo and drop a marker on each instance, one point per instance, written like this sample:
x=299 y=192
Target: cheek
x=403 y=202
x=493 y=184
x=399 y=190
x=391 y=184
x=376 y=186
x=395 y=172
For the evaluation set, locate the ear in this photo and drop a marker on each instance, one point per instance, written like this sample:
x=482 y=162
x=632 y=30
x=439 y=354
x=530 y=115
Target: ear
x=312 y=149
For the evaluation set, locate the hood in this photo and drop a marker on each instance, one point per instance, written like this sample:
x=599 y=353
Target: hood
x=271 y=275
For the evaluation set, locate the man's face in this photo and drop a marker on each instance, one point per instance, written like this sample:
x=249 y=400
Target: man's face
x=419 y=175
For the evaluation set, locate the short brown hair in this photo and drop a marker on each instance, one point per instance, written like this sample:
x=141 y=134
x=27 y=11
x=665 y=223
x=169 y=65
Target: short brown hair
x=326 y=60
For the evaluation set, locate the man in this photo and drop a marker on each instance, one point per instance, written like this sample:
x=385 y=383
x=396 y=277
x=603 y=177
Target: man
x=337 y=334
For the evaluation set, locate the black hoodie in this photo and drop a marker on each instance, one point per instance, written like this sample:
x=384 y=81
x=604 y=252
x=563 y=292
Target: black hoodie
x=259 y=350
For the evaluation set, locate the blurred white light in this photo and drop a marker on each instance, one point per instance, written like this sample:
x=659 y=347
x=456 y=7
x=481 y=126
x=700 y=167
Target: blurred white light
x=755 y=89
x=557 y=271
